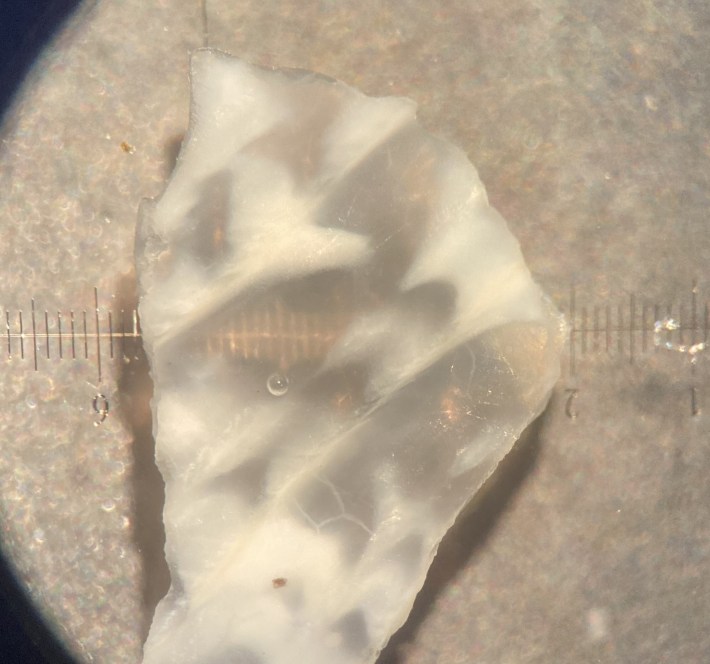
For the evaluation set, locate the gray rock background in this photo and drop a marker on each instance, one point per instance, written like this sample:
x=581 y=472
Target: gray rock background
x=589 y=123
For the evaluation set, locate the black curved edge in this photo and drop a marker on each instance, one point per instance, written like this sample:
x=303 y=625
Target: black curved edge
x=24 y=636
x=26 y=26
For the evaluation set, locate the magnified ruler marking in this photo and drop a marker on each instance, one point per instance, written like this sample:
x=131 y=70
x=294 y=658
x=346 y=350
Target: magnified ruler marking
x=634 y=330
x=581 y=346
x=73 y=343
x=626 y=329
x=622 y=323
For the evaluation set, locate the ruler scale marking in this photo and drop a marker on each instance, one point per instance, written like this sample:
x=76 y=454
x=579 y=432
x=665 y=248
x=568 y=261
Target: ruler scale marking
x=572 y=340
x=9 y=338
x=694 y=405
x=632 y=318
x=693 y=325
x=110 y=334
x=123 y=335
x=681 y=325
x=620 y=329
x=136 y=334
x=59 y=331
x=46 y=332
x=86 y=338
x=34 y=334
x=693 y=313
x=98 y=332
x=691 y=319
x=22 y=336
x=73 y=335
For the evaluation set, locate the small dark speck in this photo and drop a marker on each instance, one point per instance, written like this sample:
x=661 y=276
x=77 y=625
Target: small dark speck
x=127 y=147
x=280 y=582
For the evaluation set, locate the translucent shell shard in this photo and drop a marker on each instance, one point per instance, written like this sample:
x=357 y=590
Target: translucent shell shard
x=345 y=341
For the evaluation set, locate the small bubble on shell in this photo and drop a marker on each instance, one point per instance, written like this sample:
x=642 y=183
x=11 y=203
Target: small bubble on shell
x=277 y=384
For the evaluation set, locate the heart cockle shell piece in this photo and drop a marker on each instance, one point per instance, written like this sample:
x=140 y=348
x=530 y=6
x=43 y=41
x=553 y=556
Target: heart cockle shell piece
x=345 y=341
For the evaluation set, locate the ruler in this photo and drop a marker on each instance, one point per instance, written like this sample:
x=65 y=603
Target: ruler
x=94 y=335
x=633 y=332
x=627 y=331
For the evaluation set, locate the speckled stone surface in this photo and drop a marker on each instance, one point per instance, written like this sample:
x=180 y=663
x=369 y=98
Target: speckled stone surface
x=590 y=126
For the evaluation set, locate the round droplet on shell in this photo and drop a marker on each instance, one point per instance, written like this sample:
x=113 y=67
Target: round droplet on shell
x=277 y=384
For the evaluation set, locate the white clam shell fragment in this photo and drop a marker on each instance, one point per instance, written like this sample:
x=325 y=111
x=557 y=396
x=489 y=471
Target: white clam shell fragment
x=345 y=341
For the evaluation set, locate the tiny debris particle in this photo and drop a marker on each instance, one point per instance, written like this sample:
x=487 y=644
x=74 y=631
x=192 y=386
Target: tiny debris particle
x=127 y=147
x=279 y=582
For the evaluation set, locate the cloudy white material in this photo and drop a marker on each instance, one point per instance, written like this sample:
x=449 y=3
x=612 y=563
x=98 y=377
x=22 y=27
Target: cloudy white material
x=345 y=341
